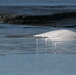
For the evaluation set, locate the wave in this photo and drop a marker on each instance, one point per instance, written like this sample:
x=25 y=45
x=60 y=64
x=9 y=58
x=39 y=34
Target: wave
x=39 y=15
x=36 y=10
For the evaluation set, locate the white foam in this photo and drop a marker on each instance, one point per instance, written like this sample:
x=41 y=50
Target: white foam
x=62 y=33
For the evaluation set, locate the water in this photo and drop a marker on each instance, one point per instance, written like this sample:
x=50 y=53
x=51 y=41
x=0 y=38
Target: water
x=37 y=7
x=38 y=2
x=36 y=10
x=20 y=39
x=23 y=54
x=41 y=64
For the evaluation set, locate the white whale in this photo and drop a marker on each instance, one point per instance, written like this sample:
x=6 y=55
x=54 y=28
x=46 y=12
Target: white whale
x=55 y=34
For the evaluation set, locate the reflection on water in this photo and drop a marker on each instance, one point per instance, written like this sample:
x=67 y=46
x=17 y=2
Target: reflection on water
x=36 y=45
x=20 y=55
x=19 y=39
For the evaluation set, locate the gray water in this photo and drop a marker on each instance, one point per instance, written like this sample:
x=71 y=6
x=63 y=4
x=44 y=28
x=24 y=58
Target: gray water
x=23 y=54
x=37 y=7
x=36 y=10
x=20 y=39
x=37 y=2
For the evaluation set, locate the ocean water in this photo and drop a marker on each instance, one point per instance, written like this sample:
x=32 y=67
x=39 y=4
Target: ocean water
x=36 y=10
x=37 y=7
x=37 y=2
x=20 y=39
x=23 y=54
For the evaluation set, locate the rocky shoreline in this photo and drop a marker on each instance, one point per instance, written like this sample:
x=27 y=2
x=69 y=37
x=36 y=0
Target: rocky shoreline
x=45 y=20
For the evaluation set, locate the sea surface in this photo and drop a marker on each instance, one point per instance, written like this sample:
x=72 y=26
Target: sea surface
x=37 y=7
x=20 y=39
x=37 y=2
x=23 y=54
